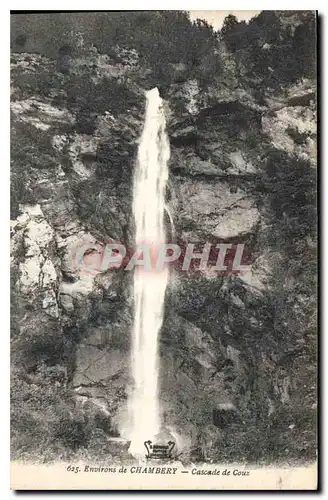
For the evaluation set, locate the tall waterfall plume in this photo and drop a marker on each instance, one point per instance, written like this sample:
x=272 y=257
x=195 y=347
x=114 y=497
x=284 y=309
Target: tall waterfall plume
x=149 y=286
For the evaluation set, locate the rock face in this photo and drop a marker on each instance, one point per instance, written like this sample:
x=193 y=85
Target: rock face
x=234 y=350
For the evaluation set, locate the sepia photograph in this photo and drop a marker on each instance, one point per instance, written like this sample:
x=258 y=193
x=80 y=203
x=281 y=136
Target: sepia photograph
x=164 y=260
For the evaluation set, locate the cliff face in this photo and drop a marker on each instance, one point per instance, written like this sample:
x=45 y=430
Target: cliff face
x=237 y=352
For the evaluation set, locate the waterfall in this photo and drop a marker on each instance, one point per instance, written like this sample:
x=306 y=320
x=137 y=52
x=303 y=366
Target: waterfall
x=149 y=286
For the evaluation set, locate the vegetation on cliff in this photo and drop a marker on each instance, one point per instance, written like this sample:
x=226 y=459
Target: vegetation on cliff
x=78 y=83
